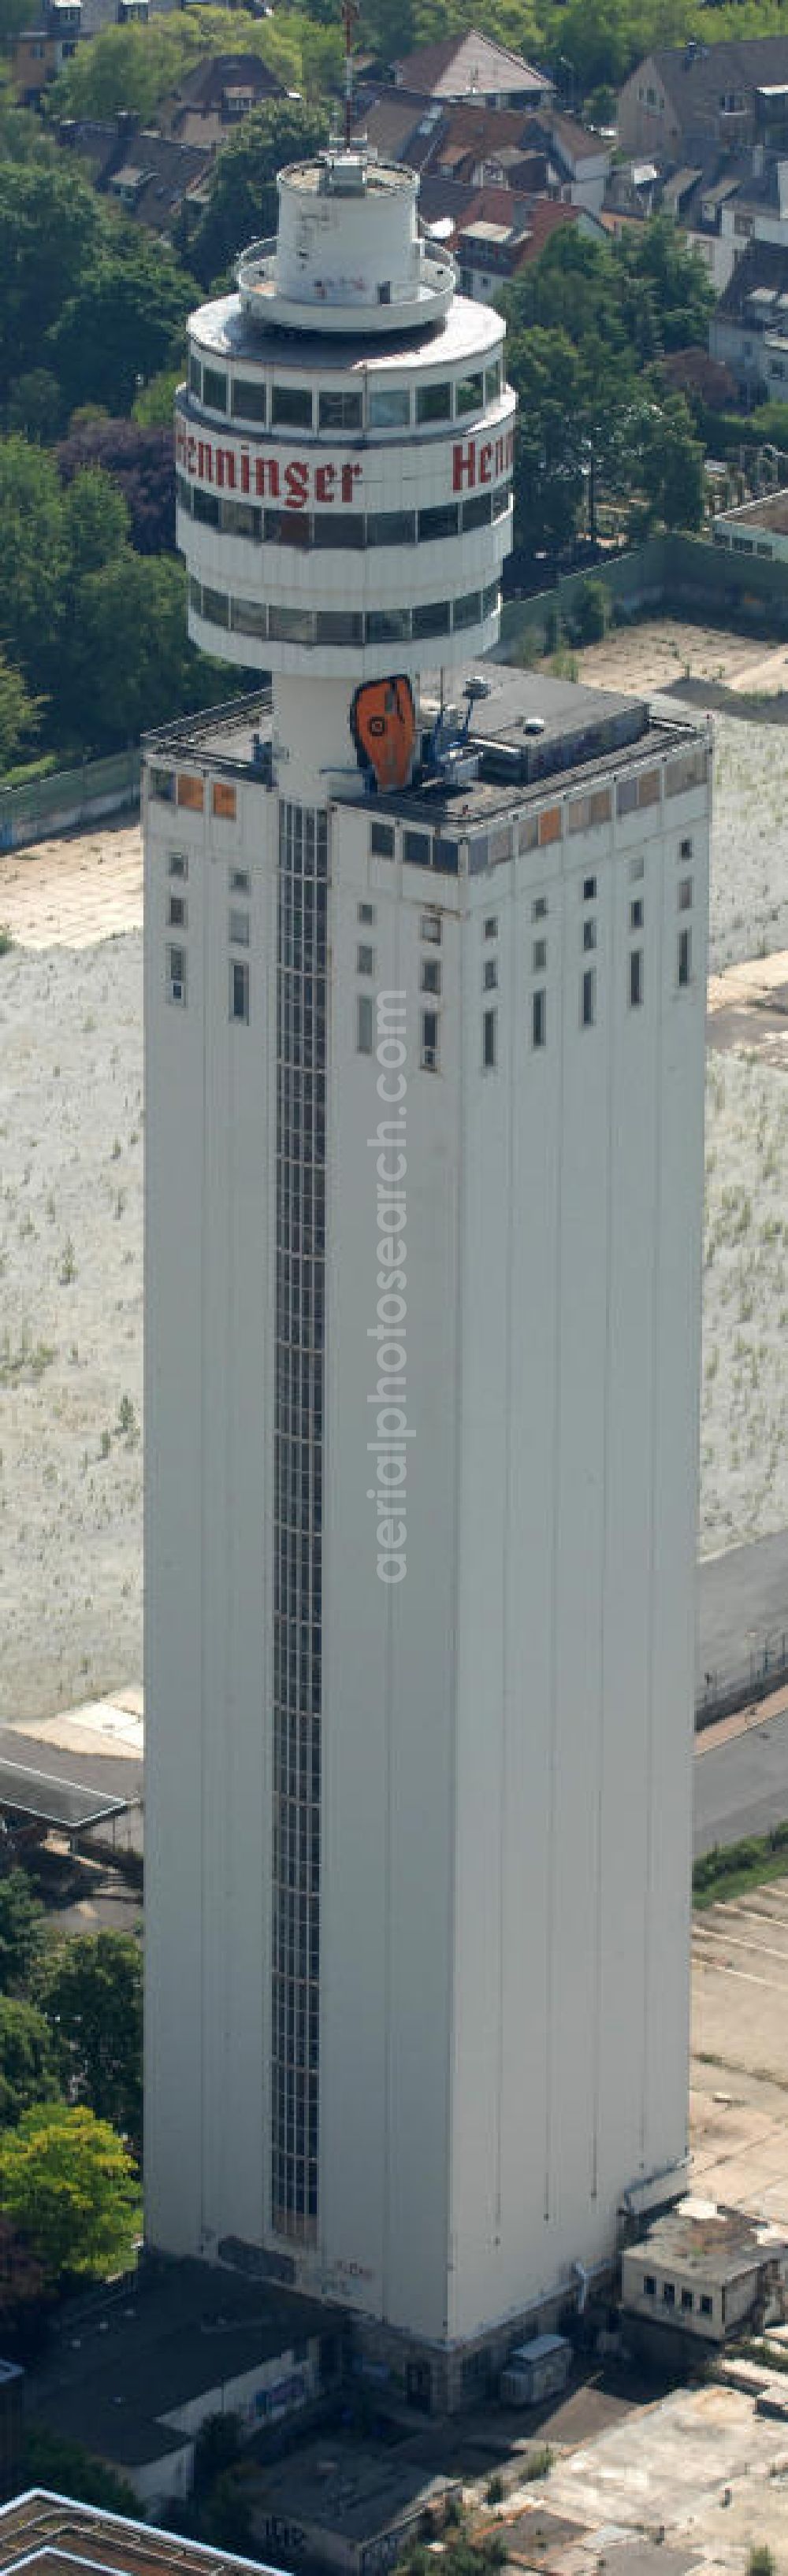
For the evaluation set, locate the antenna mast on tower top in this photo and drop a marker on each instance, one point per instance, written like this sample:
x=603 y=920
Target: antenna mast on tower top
x=349 y=16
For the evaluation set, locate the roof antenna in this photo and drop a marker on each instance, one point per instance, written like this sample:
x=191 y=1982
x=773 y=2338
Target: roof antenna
x=349 y=16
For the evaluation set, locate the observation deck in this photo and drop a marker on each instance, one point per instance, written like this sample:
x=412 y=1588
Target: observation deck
x=350 y=256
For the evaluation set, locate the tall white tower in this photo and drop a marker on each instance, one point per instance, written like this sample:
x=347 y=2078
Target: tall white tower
x=425 y=1014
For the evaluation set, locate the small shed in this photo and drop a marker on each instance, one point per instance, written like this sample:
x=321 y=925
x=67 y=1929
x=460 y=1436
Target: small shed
x=536 y=2370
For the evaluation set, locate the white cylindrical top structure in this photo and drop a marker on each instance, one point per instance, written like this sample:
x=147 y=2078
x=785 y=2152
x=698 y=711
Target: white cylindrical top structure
x=348 y=255
x=345 y=444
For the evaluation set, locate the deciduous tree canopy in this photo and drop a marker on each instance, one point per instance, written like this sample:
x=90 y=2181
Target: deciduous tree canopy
x=243 y=202
x=68 y=2184
x=124 y=321
x=21 y=1920
x=27 y=2060
x=141 y=464
x=90 y=1990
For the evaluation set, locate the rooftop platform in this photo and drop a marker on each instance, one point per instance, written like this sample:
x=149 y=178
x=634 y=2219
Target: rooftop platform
x=223 y=329
x=528 y=732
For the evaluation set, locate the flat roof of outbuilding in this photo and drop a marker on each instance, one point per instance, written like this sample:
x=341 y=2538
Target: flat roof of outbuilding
x=116 y=2372
x=771 y=511
x=52 y=2533
x=27 y=1792
x=720 y=2244
x=354 y=2489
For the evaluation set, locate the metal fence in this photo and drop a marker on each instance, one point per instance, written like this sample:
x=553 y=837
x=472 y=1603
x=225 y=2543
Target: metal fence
x=690 y=576
x=69 y=797
x=721 y=1692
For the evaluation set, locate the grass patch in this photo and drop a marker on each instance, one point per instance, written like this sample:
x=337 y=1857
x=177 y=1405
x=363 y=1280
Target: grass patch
x=28 y=771
x=538 y=2463
x=727 y=1871
x=28 y=1359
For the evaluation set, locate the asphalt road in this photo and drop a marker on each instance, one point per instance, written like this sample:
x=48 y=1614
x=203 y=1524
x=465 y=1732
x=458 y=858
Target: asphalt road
x=741 y=1787
x=742 y=1599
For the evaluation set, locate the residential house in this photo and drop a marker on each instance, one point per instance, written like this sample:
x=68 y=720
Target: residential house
x=149 y=174
x=748 y=331
x=473 y=66
x=493 y=233
x=41 y=50
x=213 y=98
x=683 y=98
x=542 y=153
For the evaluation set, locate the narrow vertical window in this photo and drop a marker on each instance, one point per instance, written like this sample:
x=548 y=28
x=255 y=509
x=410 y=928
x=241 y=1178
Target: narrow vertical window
x=364 y=1024
x=176 y=975
x=489 y=1041
x=239 y=989
x=685 y=957
x=429 y=1041
x=588 y=1004
x=539 y=1017
x=635 y=978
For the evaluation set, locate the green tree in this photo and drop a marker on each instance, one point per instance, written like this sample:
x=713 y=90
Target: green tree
x=653 y=259
x=671 y=469
x=90 y=1991
x=125 y=322
x=549 y=456
x=96 y=521
x=591 y=612
x=19 y=713
x=134 y=68
x=133 y=663
x=243 y=202
x=69 y=2185
x=14 y=16
x=622 y=303
x=21 y=1931
x=27 y=2063
x=152 y=407
x=34 y=406
x=33 y=560
x=50 y=228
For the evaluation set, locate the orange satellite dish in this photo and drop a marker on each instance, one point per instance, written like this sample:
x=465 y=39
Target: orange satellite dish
x=383 y=719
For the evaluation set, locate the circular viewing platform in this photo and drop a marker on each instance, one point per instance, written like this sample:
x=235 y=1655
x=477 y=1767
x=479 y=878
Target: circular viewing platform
x=350 y=256
x=326 y=308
